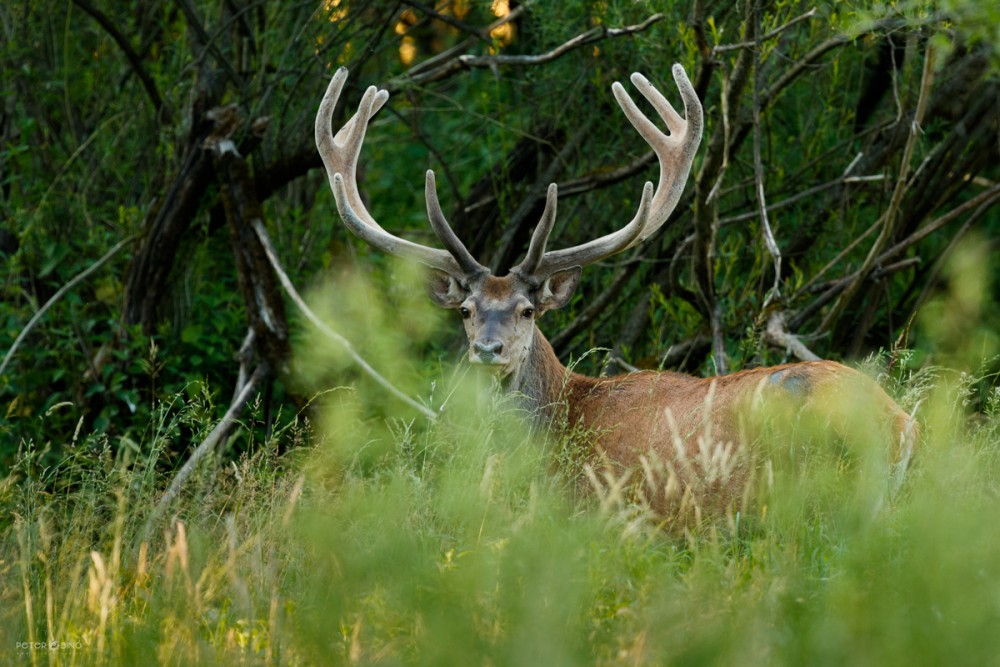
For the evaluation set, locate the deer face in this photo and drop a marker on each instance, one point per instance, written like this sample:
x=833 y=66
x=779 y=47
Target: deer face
x=499 y=313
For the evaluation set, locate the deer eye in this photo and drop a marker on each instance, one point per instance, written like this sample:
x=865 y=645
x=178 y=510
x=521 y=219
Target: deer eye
x=464 y=312
x=527 y=313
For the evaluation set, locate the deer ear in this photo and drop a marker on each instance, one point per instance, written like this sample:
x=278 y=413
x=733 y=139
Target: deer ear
x=558 y=288
x=444 y=290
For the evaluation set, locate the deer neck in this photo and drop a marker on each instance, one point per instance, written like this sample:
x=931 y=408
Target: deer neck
x=542 y=379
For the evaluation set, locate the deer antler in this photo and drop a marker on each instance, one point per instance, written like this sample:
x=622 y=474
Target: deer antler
x=675 y=152
x=340 y=157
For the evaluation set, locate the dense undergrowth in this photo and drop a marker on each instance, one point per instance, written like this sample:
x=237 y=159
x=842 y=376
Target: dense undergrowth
x=380 y=538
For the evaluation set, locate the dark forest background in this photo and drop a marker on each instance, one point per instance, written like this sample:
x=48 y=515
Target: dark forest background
x=868 y=132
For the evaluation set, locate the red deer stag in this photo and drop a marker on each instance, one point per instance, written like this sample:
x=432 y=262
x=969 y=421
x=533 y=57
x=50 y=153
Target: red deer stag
x=634 y=418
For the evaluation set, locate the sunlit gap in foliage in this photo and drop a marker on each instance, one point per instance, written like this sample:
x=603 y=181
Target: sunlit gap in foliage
x=334 y=11
x=503 y=34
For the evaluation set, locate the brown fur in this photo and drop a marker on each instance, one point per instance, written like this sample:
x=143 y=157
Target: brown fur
x=625 y=425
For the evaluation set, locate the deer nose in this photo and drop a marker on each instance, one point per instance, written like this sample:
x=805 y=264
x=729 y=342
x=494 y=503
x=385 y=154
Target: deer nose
x=488 y=349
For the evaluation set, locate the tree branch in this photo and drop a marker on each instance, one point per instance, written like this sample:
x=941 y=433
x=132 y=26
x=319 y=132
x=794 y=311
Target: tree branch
x=888 y=218
x=330 y=333
x=133 y=58
x=466 y=61
x=723 y=48
x=758 y=168
x=481 y=35
x=777 y=334
x=207 y=445
x=76 y=280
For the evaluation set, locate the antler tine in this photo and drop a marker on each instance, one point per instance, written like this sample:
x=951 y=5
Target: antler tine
x=444 y=231
x=540 y=237
x=340 y=155
x=675 y=153
x=379 y=238
x=598 y=249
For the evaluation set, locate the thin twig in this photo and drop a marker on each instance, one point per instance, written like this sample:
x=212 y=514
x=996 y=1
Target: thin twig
x=77 y=279
x=133 y=58
x=805 y=194
x=758 y=167
x=594 y=309
x=722 y=48
x=836 y=260
x=208 y=43
x=888 y=219
x=592 y=35
x=330 y=333
x=980 y=202
x=468 y=61
x=481 y=35
x=447 y=55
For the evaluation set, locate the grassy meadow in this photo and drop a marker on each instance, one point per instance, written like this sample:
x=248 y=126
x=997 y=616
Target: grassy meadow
x=380 y=538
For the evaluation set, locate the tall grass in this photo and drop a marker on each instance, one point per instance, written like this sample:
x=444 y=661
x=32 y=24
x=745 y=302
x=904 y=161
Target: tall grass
x=387 y=540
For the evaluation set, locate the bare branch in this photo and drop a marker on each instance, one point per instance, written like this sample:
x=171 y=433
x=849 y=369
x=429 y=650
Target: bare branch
x=481 y=35
x=777 y=334
x=76 y=280
x=452 y=53
x=888 y=219
x=466 y=61
x=594 y=309
x=208 y=42
x=980 y=202
x=133 y=58
x=207 y=445
x=584 y=184
x=805 y=194
x=589 y=37
x=330 y=333
x=758 y=168
x=723 y=48
x=678 y=353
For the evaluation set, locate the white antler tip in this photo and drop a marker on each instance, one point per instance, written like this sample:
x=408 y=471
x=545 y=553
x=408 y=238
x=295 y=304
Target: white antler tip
x=638 y=80
x=679 y=73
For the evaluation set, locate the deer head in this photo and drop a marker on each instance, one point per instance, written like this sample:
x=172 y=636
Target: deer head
x=500 y=312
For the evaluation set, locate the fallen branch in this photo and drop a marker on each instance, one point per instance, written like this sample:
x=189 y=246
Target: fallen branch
x=330 y=333
x=207 y=445
x=76 y=280
x=777 y=334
